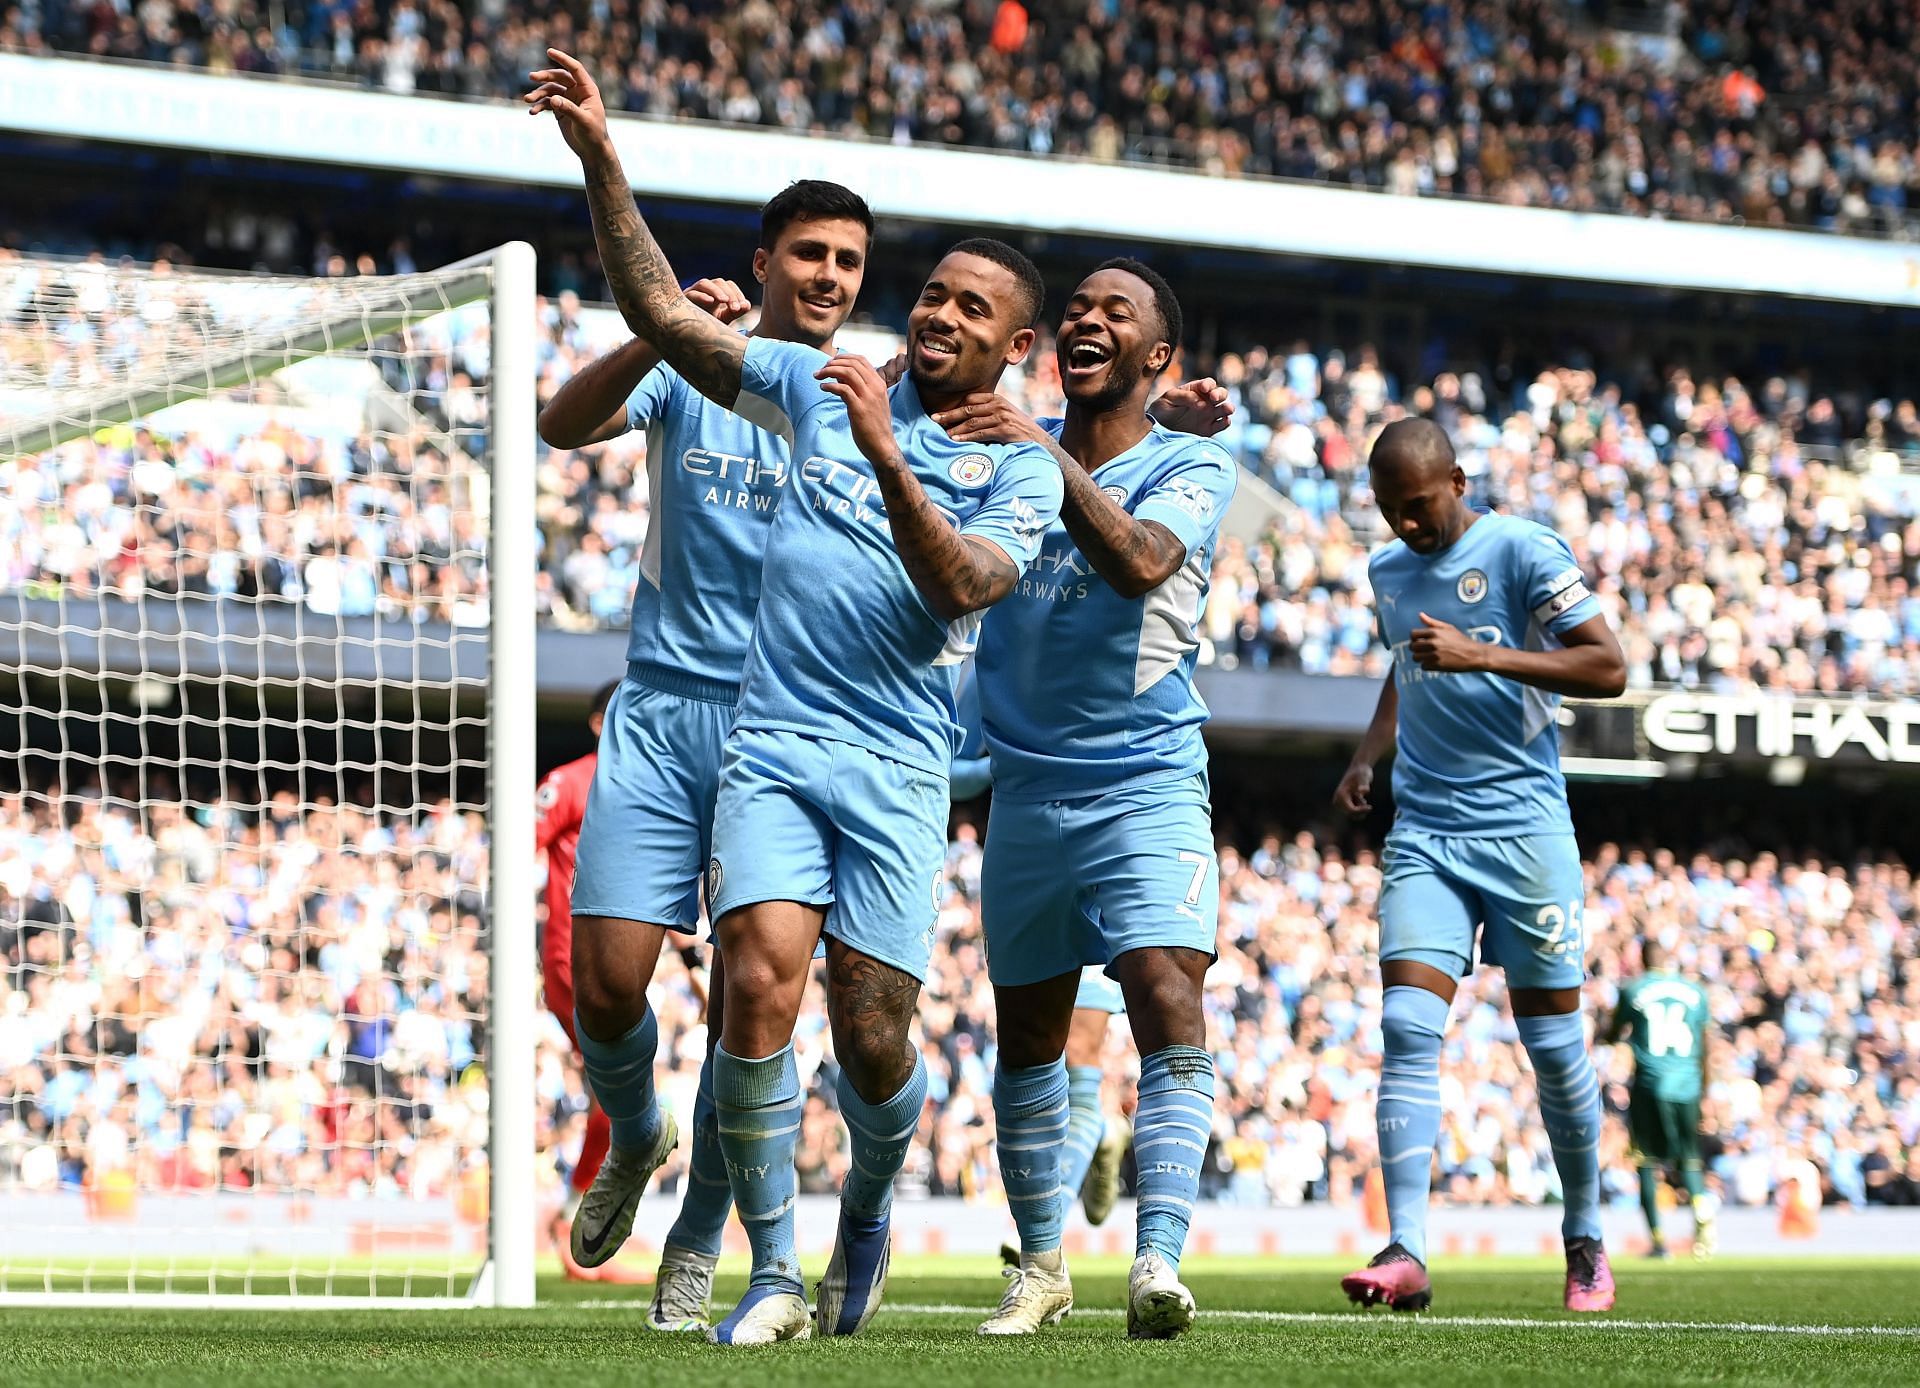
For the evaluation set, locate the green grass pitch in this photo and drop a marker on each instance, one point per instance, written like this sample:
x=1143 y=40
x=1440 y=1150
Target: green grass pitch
x=1775 y=1321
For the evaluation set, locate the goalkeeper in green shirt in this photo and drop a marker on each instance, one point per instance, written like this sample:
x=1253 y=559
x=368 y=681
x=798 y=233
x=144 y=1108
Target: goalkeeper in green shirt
x=1664 y=1016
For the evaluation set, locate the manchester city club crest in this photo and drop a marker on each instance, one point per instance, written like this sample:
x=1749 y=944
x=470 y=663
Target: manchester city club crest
x=714 y=878
x=1117 y=495
x=1472 y=586
x=971 y=469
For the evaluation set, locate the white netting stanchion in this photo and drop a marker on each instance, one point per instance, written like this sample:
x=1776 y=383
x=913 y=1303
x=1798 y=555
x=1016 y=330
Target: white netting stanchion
x=264 y=656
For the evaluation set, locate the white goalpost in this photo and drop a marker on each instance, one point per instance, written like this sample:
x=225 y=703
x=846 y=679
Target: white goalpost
x=268 y=576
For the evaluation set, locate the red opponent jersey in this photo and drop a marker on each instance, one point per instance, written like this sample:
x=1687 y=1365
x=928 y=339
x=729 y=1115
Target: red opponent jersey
x=558 y=808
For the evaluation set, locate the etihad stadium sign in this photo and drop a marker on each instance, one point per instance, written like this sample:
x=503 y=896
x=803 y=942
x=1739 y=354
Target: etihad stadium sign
x=1770 y=726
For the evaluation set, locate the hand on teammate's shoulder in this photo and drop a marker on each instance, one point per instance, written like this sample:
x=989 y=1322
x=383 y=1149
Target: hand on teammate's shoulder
x=720 y=297
x=989 y=417
x=1200 y=407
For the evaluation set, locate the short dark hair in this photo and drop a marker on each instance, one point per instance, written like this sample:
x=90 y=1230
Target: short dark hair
x=1172 y=322
x=602 y=697
x=812 y=200
x=1033 y=289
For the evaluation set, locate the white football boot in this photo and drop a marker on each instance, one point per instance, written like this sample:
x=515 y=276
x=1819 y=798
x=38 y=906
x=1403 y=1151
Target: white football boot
x=1039 y=1293
x=1158 y=1306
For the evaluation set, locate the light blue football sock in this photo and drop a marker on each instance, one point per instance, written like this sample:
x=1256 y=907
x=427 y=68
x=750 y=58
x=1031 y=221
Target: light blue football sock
x=1030 y=1119
x=1407 y=1111
x=620 y=1073
x=1086 y=1125
x=758 y=1105
x=709 y=1195
x=880 y=1135
x=1570 y=1106
x=1170 y=1132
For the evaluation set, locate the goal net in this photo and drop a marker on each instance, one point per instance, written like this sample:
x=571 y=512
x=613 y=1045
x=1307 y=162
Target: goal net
x=266 y=715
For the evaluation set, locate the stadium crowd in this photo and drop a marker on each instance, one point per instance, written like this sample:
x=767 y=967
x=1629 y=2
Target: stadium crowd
x=1734 y=536
x=1742 y=534
x=293 y=1001
x=1772 y=112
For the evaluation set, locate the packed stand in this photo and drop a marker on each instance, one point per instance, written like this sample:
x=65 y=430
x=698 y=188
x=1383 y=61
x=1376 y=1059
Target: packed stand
x=1739 y=535
x=1773 y=113
x=280 y=491
x=202 y=999
x=199 y=999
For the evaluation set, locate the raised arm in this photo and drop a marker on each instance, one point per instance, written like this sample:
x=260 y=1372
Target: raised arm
x=592 y=407
x=698 y=346
x=1588 y=665
x=955 y=573
x=1134 y=556
x=1357 y=784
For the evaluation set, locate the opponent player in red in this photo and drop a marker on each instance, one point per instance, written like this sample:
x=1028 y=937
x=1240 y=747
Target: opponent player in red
x=559 y=807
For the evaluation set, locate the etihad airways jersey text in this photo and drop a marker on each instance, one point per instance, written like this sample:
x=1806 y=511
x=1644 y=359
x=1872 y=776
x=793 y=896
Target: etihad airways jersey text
x=1083 y=690
x=845 y=647
x=714 y=481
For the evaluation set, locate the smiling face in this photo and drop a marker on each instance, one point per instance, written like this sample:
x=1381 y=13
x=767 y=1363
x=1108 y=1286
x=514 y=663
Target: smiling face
x=969 y=325
x=1111 y=343
x=813 y=275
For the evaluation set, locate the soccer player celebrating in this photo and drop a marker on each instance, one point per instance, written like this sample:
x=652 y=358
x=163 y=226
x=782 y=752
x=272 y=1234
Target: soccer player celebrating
x=715 y=483
x=1100 y=840
x=1663 y=1013
x=1490 y=622
x=832 y=811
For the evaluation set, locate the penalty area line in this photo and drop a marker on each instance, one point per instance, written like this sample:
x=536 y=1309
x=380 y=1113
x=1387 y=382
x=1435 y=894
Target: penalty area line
x=1601 y=1323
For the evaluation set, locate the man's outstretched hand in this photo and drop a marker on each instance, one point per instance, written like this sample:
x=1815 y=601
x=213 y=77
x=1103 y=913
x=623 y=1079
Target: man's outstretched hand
x=1196 y=407
x=570 y=93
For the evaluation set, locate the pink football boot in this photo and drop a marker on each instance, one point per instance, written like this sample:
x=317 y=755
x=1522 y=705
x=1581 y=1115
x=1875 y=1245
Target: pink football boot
x=1589 y=1279
x=1395 y=1277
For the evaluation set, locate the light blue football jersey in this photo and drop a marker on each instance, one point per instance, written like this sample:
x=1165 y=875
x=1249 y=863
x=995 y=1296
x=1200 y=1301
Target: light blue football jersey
x=844 y=646
x=1083 y=690
x=714 y=482
x=1479 y=755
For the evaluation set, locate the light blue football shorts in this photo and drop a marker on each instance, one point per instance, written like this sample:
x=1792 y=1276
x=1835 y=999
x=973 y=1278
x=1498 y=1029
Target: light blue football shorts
x=1067 y=883
x=809 y=819
x=1522 y=896
x=647 y=834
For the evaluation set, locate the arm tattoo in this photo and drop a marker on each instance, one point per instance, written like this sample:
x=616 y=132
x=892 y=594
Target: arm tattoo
x=955 y=573
x=1134 y=556
x=701 y=348
x=870 y=1005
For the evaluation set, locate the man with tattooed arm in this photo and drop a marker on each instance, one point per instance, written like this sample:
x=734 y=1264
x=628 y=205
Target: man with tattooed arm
x=890 y=542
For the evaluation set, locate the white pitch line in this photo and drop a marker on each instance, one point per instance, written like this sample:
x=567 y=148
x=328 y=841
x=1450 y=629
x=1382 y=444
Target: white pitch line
x=1373 y=1321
